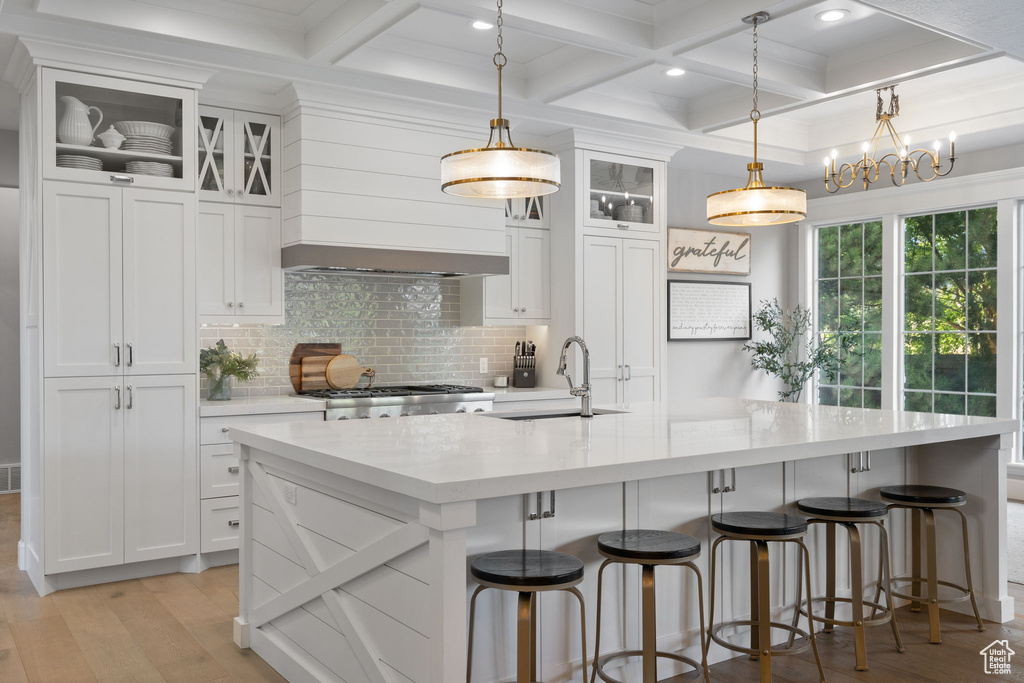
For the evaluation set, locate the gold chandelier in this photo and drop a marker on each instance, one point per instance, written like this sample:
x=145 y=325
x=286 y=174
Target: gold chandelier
x=500 y=170
x=757 y=203
x=868 y=168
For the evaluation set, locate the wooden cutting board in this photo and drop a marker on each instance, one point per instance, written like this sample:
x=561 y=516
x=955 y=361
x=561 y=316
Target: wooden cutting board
x=295 y=371
x=344 y=371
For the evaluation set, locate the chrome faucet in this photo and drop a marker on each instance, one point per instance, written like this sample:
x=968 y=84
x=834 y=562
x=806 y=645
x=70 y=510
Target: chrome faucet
x=583 y=391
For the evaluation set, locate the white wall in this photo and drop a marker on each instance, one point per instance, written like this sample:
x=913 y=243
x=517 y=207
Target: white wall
x=10 y=395
x=8 y=158
x=722 y=368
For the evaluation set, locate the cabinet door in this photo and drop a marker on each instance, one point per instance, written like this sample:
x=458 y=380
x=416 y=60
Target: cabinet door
x=81 y=280
x=159 y=282
x=533 y=273
x=215 y=259
x=602 y=317
x=257 y=158
x=642 y=286
x=83 y=473
x=216 y=154
x=258 y=277
x=499 y=295
x=623 y=193
x=160 y=467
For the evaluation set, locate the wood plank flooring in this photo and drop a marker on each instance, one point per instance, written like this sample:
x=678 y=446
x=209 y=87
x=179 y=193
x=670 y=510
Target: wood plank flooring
x=177 y=629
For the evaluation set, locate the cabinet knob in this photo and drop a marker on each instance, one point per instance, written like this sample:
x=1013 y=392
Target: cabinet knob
x=461 y=410
x=515 y=310
x=231 y=304
x=241 y=305
x=522 y=310
x=230 y=192
x=479 y=410
x=225 y=429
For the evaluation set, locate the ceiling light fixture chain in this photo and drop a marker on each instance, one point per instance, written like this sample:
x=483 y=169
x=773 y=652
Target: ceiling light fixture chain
x=898 y=163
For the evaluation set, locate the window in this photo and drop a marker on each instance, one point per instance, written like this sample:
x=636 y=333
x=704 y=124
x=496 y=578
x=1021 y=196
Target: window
x=849 y=296
x=949 y=330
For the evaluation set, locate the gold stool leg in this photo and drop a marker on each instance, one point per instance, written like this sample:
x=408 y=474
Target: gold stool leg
x=524 y=646
x=830 y=575
x=883 y=539
x=934 y=633
x=754 y=599
x=886 y=575
x=799 y=602
x=857 y=596
x=810 y=618
x=649 y=635
x=472 y=617
x=583 y=629
x=711 y=596
x=533 y=636
x=597 y=633
x=915 y=560
x=700 y=608
x=763 y=610
x=967 y=568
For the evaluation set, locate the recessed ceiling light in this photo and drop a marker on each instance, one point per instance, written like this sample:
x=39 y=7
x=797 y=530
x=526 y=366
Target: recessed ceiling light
x=481 y=25
x=832 y=14
x=675 y=72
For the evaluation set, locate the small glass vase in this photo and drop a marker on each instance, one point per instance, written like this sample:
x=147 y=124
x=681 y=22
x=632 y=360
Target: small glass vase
x=218 y=388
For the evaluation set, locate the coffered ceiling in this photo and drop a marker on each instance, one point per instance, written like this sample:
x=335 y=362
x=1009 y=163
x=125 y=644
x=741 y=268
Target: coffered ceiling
x=600 y=64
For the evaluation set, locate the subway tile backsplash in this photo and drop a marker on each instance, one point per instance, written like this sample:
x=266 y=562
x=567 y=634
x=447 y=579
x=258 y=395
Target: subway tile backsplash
x=407 y=329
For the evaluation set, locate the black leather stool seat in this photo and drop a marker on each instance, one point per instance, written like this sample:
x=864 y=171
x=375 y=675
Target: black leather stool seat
x=527 y=568
x=759 y=523
x=923 y=495
x=843 y=507
x=648 y=544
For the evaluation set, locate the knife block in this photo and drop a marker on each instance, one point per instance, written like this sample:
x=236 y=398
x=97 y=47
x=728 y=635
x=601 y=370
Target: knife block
x=524 y=378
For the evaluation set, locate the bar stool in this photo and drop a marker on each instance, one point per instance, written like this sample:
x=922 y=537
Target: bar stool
x=527 y=572
x=649 y=548
x=848 y=513
x=761 y=528
x=923 y=501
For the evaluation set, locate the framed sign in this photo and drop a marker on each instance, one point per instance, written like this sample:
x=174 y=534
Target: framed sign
x=708 y=251
x=701 y=310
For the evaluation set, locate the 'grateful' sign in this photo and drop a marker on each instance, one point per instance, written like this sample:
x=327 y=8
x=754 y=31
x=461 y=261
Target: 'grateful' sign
x=704 y=251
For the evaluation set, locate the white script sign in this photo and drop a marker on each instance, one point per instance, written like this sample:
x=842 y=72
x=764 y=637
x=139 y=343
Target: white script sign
x=704 y=251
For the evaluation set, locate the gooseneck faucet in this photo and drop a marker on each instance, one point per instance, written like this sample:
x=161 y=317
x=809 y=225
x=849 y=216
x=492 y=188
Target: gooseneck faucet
x=583 y=391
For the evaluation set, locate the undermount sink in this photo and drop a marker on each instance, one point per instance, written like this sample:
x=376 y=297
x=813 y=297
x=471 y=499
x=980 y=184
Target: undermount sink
x=550 y=416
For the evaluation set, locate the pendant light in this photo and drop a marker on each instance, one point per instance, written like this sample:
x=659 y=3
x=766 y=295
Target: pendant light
x=756 y=204
x=500 y=170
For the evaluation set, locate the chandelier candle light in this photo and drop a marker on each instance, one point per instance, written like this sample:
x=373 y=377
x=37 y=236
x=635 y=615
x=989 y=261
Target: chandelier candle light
x=868 y=168
x=757 y=203
x=500 y=170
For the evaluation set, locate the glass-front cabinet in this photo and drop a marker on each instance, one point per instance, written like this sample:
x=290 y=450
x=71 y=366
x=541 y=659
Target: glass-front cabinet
x=623 y=193
x=526 y=212
x=114 y=131
x=238 y=156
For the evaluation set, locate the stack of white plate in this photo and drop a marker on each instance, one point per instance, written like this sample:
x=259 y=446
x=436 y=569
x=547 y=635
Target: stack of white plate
x=149 y=168
x=146 y=143
x=78 y=161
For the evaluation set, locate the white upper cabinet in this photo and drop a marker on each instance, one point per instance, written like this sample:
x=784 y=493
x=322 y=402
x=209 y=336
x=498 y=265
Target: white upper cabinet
x=523 y=297
x=150 y=147
x=118 y=281
x=239 y=156
x=623 y=193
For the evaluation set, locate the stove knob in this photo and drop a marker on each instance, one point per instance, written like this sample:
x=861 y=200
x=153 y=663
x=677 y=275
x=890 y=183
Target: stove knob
x=384 y=415
x=479 y=410
x=432 y=412
x=461 y=410
x=364 y=417
x=404 y=415
x=343 y=417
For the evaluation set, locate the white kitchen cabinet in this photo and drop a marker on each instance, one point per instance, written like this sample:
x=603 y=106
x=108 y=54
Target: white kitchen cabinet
x=523 y=297
x=239 y=156
x=239 y=263
x=119 y=470
x=623 y=193
x=622 y=280
x=527 y=212
x=119 y=281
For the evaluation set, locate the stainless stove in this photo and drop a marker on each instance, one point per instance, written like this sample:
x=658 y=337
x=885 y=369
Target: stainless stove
x=402 y=401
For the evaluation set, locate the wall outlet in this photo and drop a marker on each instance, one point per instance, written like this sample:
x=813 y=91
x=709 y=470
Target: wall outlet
x=483 y=364
x=290 y=492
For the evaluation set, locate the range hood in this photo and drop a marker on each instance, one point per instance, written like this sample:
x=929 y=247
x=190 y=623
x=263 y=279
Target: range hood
x=375 y=261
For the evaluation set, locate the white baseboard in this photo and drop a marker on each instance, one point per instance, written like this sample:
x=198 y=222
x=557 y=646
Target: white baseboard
x=21 y=557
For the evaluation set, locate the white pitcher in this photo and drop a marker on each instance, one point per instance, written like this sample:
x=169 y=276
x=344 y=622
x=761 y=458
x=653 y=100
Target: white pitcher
x=75 y=128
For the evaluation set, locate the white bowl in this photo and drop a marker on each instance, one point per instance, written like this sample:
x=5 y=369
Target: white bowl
x=158 y=130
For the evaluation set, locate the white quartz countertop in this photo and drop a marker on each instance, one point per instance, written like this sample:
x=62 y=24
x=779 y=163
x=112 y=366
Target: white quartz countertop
x=503 y=394
x=260 y=405
x=447 y=458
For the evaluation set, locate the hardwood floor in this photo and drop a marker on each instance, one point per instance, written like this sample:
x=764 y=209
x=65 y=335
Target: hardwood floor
x=177 y=629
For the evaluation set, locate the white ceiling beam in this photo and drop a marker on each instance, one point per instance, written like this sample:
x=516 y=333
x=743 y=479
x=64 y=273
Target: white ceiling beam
x=733 y=65
x=909 y=61
x=551 y=77
x=712 y=113
x=352 y=26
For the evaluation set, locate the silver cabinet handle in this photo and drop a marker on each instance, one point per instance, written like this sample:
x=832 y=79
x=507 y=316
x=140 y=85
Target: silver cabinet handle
x=118 y=178
x=117 y=355
x=232 y=522
x=629 y=373
x=117 y=399
x=622 y=226
x=732 y=477
x=129 y=406
x=619 y=378
x=550 y=512
x=231 y=304
x=131 y=355
x=233 y=469
x=225 y=429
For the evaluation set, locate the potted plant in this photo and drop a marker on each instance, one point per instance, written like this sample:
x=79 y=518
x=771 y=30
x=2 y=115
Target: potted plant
x=789 y=353
x=220 y=364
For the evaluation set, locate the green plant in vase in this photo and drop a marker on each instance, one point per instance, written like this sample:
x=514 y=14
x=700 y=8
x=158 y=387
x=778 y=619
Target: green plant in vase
x=220 y=365
x=789 y=353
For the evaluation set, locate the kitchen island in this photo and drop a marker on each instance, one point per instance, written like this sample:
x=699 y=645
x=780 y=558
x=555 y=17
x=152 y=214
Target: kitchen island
x=356 y=535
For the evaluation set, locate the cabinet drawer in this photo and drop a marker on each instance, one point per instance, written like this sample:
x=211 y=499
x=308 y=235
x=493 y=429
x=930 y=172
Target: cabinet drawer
x=214 y=430
x=219 y=524
x=218 y=471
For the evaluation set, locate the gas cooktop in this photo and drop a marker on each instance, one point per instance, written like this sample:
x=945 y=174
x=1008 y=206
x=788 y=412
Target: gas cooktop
x=390 y=391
